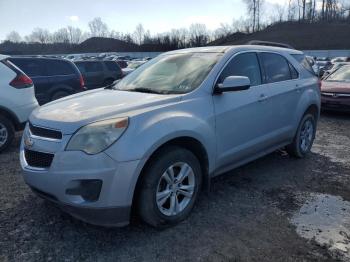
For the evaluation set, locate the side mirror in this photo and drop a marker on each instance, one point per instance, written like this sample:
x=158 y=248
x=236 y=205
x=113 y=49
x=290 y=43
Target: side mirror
x=233 y=83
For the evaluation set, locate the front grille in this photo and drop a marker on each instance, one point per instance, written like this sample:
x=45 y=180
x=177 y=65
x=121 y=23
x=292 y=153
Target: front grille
x=44 y=132
x=38 y=159
x=336 y=95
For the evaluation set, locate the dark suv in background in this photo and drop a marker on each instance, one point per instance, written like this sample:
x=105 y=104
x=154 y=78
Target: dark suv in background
x=99 y=73
x=52 y=78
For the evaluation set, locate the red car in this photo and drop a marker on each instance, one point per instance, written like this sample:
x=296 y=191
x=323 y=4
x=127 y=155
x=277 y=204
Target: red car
x=335 y=90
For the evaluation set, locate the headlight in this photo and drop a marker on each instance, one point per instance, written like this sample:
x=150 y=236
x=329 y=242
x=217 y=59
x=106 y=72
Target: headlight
x=96 y=137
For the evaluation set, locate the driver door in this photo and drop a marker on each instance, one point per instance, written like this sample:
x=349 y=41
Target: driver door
x=242 y=122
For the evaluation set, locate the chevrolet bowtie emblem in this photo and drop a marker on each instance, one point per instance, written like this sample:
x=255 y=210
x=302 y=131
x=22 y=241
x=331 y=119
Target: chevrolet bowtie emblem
x=28 y=142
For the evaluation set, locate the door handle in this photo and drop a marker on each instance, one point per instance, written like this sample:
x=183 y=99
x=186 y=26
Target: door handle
x=297 y=88
x=262 y=98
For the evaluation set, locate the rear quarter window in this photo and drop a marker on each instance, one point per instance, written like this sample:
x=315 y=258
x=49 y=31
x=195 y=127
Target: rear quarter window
x=302 y=60
x=276 y=68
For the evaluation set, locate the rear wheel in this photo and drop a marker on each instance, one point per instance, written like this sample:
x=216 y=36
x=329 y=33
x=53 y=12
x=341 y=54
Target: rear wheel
x=7 y=133
x=59 y=94
x=170 y=187
x=304 y=137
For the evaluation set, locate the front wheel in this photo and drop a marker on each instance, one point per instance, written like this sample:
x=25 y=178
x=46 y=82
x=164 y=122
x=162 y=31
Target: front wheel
x=304 y=137
x=170 y=187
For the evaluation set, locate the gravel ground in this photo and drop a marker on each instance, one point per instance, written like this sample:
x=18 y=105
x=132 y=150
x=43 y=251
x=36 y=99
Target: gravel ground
x=247 y=216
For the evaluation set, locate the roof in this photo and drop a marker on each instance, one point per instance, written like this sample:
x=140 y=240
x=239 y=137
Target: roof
x=225 y=49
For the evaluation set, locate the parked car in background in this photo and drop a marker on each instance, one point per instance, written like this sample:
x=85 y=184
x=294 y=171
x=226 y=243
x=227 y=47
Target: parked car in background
x=122 y=63
x=323 y=67
x=17 y=101
x=313 y=64
x=323 y=59
x=335 y=90
x=149 y=142
x=99 y=73
x=335 y=66
x=52 y=78
x=132 y=65
x=340 y=59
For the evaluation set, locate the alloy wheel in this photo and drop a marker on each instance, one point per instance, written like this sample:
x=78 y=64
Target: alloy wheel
x=306 y=135
x=175 y=189
x=3 y=134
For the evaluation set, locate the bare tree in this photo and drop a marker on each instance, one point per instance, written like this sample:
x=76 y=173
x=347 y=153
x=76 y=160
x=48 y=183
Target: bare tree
x=60 y=36
x=39 y=35
x=139 y=34
x=198 y=35
x=75 y=34
x=14 y=37
x=254 y=12
x=98 y=28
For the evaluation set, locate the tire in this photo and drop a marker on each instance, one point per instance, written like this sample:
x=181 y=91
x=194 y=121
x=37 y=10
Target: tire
x=7 y=133
x=59 y=94
x=154 y=180
x=299 y=148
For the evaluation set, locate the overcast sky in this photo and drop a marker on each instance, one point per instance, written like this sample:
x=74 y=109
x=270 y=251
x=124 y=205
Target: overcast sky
x=120 y=15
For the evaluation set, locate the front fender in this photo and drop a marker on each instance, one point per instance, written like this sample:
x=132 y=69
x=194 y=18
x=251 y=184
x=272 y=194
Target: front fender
x=141 y=141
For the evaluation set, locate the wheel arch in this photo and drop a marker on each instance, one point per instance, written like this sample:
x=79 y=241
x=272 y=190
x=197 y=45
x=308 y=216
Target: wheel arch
x=190 y=143
x=12 y=117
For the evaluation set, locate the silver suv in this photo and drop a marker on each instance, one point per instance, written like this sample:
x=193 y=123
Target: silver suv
x=153 y=140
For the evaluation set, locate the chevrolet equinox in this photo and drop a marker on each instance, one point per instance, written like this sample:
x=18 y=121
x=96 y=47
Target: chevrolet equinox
x=151 y=141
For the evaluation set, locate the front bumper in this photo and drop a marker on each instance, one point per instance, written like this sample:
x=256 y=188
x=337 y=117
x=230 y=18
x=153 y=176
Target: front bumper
x=68 y=168
x=335 y=103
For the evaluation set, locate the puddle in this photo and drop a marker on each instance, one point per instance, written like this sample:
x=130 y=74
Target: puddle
x=326 y=219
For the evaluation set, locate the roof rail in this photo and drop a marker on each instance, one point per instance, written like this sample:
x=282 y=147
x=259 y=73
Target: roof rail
x=267 y=43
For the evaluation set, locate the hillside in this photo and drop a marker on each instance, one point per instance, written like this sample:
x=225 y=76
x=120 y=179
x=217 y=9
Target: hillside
x=302 y=36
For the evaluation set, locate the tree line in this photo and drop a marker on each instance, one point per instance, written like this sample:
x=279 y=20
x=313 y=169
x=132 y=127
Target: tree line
x=257 y=18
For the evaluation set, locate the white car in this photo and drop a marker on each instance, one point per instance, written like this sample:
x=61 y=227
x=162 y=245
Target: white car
x=17 y=101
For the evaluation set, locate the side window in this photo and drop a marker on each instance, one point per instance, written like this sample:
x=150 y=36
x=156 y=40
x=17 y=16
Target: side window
x=30 y=67
x=243 y=65
x=112 y=66
x=93 y=67
x=81 y=67
x=304 y=62
x=55 y=67
x=276 y=68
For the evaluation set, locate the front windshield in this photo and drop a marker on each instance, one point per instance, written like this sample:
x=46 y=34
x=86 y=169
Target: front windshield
x=170 y=74
x=342 y=75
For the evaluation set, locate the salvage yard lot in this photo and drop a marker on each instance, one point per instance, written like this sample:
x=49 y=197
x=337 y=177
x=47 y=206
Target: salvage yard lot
x=247 y=216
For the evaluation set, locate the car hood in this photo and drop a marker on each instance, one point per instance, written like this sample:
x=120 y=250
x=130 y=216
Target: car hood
x=71 y=113
x=335 y=87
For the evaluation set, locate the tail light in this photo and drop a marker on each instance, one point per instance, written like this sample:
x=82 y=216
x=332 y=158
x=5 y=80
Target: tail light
x=82 y=83
x=21 y=81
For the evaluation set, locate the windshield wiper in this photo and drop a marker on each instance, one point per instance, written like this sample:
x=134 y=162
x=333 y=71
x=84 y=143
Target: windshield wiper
x=144 y=90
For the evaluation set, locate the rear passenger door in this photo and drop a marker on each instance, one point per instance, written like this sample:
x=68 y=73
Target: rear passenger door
x=281 y=78
x=242 y=117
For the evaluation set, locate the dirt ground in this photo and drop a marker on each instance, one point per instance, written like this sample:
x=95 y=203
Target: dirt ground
x=253 y=213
